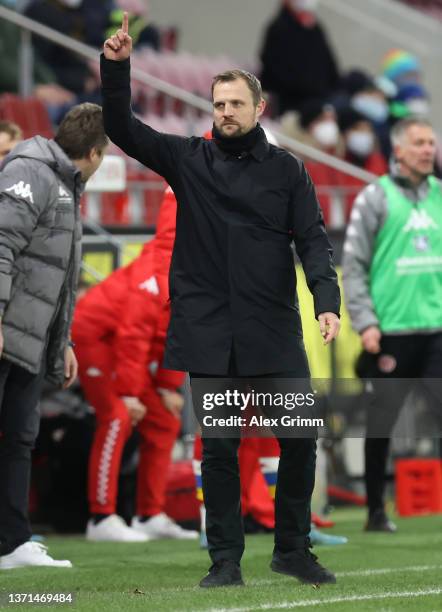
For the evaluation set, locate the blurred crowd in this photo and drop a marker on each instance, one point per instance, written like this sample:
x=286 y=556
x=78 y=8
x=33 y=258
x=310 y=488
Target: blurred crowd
x=346 y=114
x=62 y=78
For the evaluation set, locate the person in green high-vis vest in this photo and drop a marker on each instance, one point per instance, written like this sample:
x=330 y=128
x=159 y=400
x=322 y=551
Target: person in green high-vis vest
x=392 y=274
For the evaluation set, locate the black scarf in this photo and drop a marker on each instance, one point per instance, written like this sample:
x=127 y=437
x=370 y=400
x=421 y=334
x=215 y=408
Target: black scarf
x=238 y=144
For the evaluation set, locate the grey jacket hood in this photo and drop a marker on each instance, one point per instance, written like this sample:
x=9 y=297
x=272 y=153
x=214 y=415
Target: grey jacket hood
x=48 y=152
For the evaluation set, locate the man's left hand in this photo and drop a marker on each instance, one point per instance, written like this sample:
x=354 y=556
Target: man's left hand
x=70 y=367
x=329 y=324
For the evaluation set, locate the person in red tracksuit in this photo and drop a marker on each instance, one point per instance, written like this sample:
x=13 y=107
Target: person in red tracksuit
x=119 y=330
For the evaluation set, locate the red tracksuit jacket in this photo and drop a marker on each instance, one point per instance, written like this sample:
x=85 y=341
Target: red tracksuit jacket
x=128 y=313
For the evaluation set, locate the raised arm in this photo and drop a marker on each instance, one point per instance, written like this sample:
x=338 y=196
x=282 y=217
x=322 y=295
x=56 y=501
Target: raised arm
x=161 y=152
x=119 y=46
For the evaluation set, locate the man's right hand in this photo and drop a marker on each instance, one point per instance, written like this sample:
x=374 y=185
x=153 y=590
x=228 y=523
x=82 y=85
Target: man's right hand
x=135 y=408
x=371 y=339
x=119 y=46
x=173 y=401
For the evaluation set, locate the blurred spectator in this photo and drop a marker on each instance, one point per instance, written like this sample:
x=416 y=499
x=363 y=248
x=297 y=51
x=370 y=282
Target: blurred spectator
x=319 y=121
x=401 y=67
x=10 y=135
x=316 y=125
x=404 y=70
x=361 y=146
x=366 y=96
x=95 y=14
x=71 y=71
x=101 y=18
x=297 y=61
x=411 y=99
x=361 y=149
x=44 y=77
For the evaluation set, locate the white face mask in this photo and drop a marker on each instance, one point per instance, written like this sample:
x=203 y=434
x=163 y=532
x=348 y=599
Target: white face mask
x=360 y=144
x=418 y=106
x=326 y=133
x=73 y=4
x=373 y=108
x=309 y=6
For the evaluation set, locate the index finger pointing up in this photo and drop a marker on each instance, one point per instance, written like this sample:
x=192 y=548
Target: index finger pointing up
x=125 y=24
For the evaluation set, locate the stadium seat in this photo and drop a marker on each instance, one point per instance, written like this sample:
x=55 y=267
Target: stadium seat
x=29 y=113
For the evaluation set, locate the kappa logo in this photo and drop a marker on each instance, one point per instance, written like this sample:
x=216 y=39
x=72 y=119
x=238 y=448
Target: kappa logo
x=420 y=220
x=150 y=285
x=64 y=197
x=23 y=190
x=94 y=372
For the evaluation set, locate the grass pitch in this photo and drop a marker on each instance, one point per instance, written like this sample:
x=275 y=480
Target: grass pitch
x=391 y=572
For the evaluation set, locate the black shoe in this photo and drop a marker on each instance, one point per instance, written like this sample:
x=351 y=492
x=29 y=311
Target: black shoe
x=379 y=521
x=302 y=564
x=224 y=572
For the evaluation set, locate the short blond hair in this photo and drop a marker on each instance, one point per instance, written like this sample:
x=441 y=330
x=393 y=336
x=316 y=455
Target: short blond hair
x=250 y=79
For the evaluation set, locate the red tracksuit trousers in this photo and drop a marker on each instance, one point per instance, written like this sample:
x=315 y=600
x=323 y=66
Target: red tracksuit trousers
x=158 y=431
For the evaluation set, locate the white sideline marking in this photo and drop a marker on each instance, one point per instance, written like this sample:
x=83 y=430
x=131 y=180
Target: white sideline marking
x=331 y=600
x=369 y=572
x=389 y=570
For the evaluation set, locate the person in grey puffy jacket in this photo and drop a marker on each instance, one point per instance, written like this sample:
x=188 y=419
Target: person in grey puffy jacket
x=41 y=182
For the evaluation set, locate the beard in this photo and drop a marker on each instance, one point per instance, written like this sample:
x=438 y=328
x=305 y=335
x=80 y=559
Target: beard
x=231 y=132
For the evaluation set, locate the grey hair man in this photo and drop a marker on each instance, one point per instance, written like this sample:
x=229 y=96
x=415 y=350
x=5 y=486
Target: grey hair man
x=392 y=268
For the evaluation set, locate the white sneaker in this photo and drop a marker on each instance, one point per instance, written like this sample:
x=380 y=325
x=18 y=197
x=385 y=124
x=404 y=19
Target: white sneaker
x=162 y=526
x=113 y=529
x=30 y=554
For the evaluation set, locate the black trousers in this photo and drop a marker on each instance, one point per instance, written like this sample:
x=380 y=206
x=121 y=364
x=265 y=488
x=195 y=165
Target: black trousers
x=222 y=493
x=413 y=356
x=19 y=423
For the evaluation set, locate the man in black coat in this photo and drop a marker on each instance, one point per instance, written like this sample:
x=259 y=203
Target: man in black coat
x=241 y=204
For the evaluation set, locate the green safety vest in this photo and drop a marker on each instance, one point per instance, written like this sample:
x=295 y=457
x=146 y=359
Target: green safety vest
x=406 y=269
